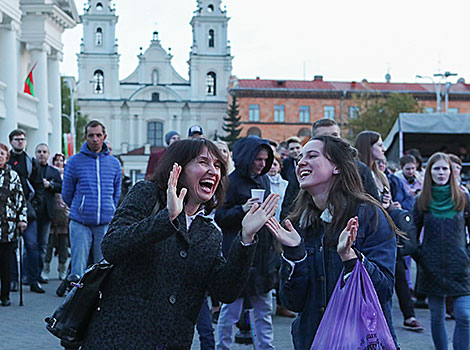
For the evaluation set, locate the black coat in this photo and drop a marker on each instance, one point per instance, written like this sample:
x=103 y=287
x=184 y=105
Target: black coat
x=444 y=256
x=288 y=173
x=162 y=272
x=229 y=217
x=52 y=175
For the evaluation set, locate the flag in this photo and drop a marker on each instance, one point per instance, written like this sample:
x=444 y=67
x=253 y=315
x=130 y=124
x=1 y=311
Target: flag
x=29 y=83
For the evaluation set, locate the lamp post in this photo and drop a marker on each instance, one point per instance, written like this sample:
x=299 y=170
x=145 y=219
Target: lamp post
x=437 y=88
x=70 y=81
x=445 y=75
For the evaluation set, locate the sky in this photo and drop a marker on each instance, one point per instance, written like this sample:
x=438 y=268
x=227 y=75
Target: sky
x=342 y=40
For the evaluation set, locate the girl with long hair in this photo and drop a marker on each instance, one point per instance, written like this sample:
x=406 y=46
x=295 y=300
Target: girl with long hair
x=444 y=256
x=333 y=224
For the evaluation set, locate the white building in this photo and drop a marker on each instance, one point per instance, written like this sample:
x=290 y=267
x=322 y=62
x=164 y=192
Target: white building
x=154 y=99
x=31 y=33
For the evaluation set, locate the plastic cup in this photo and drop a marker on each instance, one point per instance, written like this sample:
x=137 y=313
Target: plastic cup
x=258 y=195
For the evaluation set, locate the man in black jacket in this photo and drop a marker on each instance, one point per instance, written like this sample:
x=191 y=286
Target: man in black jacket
x=30 y=176
x=52 y=183
x=253 y=158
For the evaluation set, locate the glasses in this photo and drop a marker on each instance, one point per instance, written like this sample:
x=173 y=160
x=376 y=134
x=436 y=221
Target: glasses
x=19 y=139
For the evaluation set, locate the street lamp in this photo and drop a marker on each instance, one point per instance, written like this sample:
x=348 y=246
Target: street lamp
x=70 y=81
x=448 y=85
x=437 y=87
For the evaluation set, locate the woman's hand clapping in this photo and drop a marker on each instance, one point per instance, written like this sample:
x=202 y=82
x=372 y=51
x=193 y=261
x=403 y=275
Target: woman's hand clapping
x=174 y=202
x=346 y=240
x=257 y=217
x=289 y=237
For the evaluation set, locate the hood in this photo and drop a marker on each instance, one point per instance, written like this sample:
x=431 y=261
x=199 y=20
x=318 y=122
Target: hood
x=244 y=152
x=85 y=150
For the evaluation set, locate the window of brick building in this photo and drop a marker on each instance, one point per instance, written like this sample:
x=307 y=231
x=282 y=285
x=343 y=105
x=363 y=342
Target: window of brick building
x=254 y=113
x=304 y=114
x=329 y=112
x=428 y=110
x=279 y=113
x=352 y=112
x=453 y=110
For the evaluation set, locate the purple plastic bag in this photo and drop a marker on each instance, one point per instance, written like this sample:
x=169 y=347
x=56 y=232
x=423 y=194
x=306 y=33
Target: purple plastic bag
x=354 y=319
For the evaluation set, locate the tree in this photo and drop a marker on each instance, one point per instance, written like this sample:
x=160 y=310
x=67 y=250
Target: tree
x=379 y=113
x=80 y=120
x=232 y=125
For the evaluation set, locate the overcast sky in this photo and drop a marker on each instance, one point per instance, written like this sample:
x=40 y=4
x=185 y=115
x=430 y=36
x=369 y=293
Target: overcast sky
x=342 y=40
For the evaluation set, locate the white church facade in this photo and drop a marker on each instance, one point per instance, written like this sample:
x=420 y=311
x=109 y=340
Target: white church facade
x=154 y=99
x=31 y=35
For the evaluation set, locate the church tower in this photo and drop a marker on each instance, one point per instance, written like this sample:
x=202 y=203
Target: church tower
x=98 y=60
x=210 y=63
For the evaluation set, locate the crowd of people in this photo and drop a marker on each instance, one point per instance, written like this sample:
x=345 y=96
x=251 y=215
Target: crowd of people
x=213 y=231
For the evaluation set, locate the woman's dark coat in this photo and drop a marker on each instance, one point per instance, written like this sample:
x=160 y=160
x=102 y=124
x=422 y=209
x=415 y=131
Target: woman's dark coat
x=229 y=217
x=161 y=274
x=444 y=256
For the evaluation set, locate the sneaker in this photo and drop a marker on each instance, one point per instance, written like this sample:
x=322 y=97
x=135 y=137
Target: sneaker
x=412 y=324
x=5 y=302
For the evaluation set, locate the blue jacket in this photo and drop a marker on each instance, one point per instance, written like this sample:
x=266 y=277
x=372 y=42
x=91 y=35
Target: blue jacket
x=399 y=193
x=307 y=285
x=92 y=186
x=229 y=217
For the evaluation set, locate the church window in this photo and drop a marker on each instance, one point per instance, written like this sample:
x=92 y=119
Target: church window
x=99 y=6
x=99 y=37
x=154 y=77
x=155 y=133
x=210 y=8
x=210 y=84
x=155 y=96
x=98 y=82
x=211 y=38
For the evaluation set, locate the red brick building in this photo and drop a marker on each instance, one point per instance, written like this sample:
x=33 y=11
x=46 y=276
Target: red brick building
x=278 y=109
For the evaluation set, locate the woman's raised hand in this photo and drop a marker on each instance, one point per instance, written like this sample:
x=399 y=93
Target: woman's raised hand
x=289 y=237
x=346 y=240
x=174 y=203
x=257 y=217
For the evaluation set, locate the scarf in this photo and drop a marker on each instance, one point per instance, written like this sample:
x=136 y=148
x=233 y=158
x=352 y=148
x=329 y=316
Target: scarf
x=442 y=206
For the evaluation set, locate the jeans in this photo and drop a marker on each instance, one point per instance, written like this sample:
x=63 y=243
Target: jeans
x=31 y=258
x=230 y=314
x=461 y=338
x=204 y=327
x=83 y=241
x=44 y=226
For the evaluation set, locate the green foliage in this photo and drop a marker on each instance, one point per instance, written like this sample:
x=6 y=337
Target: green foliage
x=379 y=113
x=80 y=120
x=232 y=125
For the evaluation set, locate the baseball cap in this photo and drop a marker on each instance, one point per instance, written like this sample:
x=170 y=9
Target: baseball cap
x=195 y=129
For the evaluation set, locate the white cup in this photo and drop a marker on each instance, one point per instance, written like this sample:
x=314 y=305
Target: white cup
x=258 y=195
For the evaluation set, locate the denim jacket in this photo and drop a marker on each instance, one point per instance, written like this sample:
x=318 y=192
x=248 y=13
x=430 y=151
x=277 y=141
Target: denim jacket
x=309 y=272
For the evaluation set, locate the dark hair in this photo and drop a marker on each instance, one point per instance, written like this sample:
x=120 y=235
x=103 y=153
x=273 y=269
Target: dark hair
x=182 y=152
x=323 y=123
x=407 y=159
x=16 y=132
x=345 y=195
x=419 y=160
x=58 y=155
x=363 y=144
x=273 y=143
x=5 y=148
x=425 y=197
x=94 y=124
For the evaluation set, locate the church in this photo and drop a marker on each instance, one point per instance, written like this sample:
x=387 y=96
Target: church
x=139 y=109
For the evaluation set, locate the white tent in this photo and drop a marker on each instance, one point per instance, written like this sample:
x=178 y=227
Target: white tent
x=429 y=132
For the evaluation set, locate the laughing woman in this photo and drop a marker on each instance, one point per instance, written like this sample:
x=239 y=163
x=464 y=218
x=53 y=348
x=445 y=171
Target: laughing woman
x=444 y=256
x=333 y=224
x=167 y=253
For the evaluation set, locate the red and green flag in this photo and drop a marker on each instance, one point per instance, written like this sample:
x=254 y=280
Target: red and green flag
x=29 y=83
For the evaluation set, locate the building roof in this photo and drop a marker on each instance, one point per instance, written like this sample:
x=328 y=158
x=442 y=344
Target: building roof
x=319 y=85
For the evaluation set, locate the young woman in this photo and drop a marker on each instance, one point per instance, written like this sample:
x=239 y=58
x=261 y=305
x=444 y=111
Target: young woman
x=332 y=225
x=370 y=147
x=167 y=261
x=12 y=218
x=444 y=256
x=278 y=184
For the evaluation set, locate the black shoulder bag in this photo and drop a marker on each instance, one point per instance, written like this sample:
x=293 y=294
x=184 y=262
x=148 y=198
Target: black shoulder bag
x=71 y=319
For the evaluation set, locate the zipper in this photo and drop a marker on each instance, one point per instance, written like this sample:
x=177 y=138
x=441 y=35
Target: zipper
x=322 y=249
x=80 y=208
x=99 y=189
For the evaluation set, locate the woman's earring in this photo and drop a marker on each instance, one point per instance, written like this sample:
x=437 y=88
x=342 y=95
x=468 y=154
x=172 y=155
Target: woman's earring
x=335 y=171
